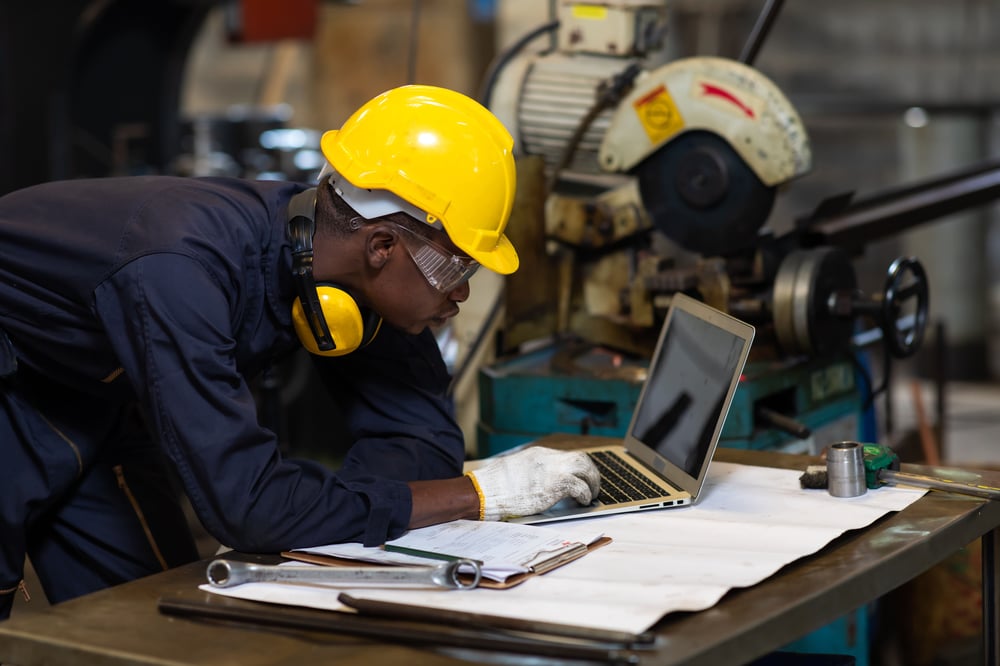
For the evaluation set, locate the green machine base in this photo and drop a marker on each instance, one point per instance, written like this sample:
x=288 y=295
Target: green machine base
x=593 y=392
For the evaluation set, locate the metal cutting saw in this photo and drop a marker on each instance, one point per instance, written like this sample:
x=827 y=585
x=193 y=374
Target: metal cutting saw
x=661 y=175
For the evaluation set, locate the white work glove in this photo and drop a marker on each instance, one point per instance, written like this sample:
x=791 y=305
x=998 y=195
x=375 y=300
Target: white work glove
x=532 y=480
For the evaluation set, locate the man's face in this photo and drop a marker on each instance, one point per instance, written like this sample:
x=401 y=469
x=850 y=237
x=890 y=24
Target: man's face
x=404 y=295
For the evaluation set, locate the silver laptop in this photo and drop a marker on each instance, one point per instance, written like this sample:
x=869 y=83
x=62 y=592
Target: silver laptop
x=693 y=374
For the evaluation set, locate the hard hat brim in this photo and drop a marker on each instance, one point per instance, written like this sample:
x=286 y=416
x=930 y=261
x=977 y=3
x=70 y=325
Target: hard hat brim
x=502 y=259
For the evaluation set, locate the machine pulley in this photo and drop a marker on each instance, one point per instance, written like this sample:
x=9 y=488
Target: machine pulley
x=816 y=302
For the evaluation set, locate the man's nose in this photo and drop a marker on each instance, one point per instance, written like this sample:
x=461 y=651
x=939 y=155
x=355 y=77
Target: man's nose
x=460 y=293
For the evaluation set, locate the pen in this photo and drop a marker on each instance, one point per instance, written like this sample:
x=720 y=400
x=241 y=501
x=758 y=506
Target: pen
x=390 y=548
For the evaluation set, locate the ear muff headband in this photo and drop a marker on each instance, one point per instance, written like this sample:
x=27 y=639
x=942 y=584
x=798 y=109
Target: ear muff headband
x=326 y=318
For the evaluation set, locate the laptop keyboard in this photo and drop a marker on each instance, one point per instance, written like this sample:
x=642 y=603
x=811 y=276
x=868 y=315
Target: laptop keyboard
x=619 y=483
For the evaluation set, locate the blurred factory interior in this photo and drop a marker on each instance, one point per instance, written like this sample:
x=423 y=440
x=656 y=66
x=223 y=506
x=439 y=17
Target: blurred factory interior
x=899 y=100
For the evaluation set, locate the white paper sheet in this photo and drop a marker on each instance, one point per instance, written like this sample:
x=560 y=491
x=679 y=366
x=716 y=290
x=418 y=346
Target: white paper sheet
x=504 y=549
x=750 y=522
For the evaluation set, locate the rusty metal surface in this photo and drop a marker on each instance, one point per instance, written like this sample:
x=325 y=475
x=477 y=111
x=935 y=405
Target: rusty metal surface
x=123 y=626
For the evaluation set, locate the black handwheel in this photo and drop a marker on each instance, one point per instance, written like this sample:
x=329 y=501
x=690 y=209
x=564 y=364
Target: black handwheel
x=906 y=281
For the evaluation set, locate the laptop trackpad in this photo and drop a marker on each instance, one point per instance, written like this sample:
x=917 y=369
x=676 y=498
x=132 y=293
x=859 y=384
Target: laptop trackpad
x=566 y=506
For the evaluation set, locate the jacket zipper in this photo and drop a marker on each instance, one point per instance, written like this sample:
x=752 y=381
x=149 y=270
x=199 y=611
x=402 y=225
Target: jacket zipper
x=120 y=475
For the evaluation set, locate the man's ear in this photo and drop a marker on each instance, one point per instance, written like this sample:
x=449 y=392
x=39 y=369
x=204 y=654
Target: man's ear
x=382 y=242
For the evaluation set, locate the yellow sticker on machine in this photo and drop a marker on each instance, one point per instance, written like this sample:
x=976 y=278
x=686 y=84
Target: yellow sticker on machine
x=587 y=11
x=658 y=114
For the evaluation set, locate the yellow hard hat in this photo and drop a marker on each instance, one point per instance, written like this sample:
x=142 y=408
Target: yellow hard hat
x=441 y=152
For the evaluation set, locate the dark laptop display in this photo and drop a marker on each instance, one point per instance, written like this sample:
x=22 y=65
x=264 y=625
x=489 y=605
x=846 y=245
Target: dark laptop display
x=679 y=415
x=678 y=419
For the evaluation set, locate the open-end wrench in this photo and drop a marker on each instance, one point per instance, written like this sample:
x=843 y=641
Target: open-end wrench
x=227 y=573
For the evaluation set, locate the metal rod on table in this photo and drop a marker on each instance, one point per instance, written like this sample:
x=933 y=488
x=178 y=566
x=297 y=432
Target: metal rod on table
x=412 y=633
x=399 y=611
x=938 y=483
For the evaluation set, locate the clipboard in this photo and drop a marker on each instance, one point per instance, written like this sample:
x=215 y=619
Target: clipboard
x=509 y=582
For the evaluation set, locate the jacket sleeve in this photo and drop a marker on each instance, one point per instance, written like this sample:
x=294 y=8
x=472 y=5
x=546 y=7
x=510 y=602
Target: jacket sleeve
x=170 y=320
x=394 y=396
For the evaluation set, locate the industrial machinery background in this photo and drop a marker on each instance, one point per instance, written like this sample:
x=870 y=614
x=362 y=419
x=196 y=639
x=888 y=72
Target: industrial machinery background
x=660 y=177
x=642 y=177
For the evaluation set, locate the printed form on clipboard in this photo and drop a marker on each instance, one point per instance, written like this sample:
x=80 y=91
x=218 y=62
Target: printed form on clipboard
x=509 y=553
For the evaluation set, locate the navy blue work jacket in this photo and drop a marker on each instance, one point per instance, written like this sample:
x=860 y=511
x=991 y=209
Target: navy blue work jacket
x=173 y=292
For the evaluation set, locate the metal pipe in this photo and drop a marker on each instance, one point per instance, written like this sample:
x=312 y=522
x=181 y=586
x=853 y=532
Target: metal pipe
x=898 y=210
x=760 y=30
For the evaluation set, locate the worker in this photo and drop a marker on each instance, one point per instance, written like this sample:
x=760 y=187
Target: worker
x=136 y=312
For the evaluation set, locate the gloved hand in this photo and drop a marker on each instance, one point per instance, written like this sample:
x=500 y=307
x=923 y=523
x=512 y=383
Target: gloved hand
x=532 y=480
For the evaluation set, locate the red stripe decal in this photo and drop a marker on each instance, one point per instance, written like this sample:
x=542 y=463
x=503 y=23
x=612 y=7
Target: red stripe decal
x=708 y=90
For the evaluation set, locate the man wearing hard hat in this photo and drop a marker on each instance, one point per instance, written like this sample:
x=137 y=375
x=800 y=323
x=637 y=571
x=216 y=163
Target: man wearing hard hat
x=134 y=313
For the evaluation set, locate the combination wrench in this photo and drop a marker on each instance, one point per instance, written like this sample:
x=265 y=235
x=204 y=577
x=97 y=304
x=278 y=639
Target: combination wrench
x=228 y=573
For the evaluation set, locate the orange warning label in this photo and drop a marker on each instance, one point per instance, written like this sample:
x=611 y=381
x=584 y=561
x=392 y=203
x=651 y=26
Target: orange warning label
x=658 y=114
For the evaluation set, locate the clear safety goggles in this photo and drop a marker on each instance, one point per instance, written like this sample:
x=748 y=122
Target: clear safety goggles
x=443 y=269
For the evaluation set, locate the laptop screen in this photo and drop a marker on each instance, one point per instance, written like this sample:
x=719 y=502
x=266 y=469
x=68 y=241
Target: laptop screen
x=692 y=376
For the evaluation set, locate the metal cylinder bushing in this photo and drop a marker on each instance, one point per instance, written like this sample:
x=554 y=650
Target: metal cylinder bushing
x=845 y=469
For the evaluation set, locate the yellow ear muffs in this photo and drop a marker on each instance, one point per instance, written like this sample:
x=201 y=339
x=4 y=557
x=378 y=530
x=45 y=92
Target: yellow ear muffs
x=349 y=328
x=326 y=318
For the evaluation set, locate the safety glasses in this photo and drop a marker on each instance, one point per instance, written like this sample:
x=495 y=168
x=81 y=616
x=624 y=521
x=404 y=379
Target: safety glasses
x=444 y=270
